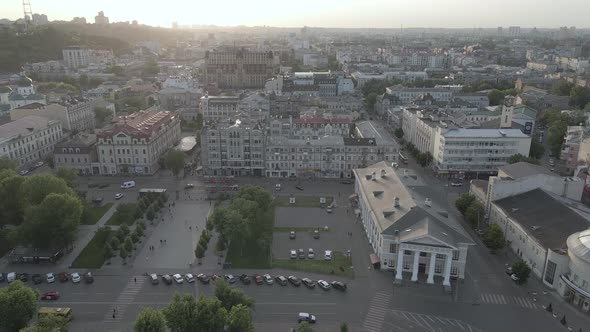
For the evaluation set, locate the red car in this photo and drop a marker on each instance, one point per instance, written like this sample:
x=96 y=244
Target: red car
x=50 y=296
x=63 y=277
x=258 y=279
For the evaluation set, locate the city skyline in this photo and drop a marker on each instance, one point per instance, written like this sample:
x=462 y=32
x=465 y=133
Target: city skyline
x=329 y=14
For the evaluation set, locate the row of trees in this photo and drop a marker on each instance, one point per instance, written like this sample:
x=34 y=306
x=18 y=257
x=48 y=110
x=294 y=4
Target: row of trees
x=579 y=96
x=203 y=244
x=228 y=310
x=240 y=223
x=423 y=158
x=557 y=122
x=175 y=161
x=474 y=212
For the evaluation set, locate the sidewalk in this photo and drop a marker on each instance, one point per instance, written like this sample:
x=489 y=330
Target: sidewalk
x=85 y=234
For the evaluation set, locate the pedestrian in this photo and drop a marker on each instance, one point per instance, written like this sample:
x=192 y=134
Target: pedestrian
x=160 y=241
x=135 y=280
x=113 y=316
x=190 y=228
x=114 y=310
x=164 y=241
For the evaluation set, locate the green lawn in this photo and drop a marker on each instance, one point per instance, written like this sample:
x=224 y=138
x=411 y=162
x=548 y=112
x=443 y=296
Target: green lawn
x=252 y=256
x=318 y=265
x=303 y=201
x=93 y=255
x=124 y=215
x=93 y=213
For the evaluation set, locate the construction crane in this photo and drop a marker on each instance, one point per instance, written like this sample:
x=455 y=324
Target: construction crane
x=28 y=12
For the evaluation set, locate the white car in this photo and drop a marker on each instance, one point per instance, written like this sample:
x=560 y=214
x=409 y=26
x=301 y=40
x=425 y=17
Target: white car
x=39 y=164
x=75 y=277
x=23 y=172
x=324 y=284
x=268 y=279
x=310 y=254
x=189 y=278
x=293 y=254
x=230 y=278
x=328 y=255
x=178 y=278
x=118 y=196
x=50 y=278
x=278 y=187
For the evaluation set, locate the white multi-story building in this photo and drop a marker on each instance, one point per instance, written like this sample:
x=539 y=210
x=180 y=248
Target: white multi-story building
x=74 y=114
x=406 y=237
x=406 y=95
x=29 y=139
x=405 y=76
x=78 y=153
x=76 y=57
x=216 y=108
x=459 y=151
x=134 y=143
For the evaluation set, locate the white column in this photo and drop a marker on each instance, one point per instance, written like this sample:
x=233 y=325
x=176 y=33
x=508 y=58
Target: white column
x=431 y=268
x=447 y=274
x=400 y=263
x=415 y=267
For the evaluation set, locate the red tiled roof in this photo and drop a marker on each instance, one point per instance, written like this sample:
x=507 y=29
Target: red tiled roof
x=139 y=124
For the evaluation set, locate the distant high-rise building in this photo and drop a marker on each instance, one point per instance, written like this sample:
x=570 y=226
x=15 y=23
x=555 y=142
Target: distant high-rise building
x=500 y=31
x=40 y=19
x=79 y=20
x=235 y=68
x=514 y=31
x=100 y=19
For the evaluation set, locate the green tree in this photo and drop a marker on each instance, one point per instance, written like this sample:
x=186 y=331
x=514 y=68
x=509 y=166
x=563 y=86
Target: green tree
x=175 y=161
x=12 y=202
x=199 y=252
x=115 y=243
x=37 y=187
x=463 y=202
x=579 y=96
x=18 y=304
x=46 y=226
x=494 y=238
x=304 y=327
x=399 y=133
x=562 y=88
x=101 y=114
x=84 y=81
x=240 y=319
x=557 y=131
x=181 y=313
x=128 y=244
x=150 y=68
x=108 y=251
x=220 y=245
x=123 y=254
x=48 y=324
x=150 y=214
x=150 y=320
x=211 y=315
x=371 y=99
x=475 y=213
x=522 y=271
x=343 y=327
x=515 y=158
x=69 y=175
x=537 y=149
x=231 y=296
x=6 y=163
x=495 y=96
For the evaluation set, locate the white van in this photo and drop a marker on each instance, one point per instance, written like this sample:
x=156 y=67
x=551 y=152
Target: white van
x=328 y=255
x=10 y=277
x=128 y=184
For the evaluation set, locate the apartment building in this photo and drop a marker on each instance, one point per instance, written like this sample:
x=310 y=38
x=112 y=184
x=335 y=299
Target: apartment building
x=459 y=151
x=76 y=57
x=74 y=114
x=233 y=148
x=29 y=139
x=570 y=149
x=77 y=153
x=216 y=108
x=406 y=95
x=134 y=143
x=234 y=68
x=323 y=84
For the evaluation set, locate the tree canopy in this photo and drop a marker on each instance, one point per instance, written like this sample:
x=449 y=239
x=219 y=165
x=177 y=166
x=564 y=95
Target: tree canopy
x=37 y=187
x=231 y=296
x=150 y=320
x=515 y=158
x=6 y=163
x=175 y=161
x=18 y=304
x=69 y=175
x=48 y=324
x=240 y=319
x=494 y=238
x=522 y=271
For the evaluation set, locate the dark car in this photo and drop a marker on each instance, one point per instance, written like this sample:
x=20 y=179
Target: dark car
x=339 y=285
x=301 y=254
x=88 y=278
x=258 y=279
x=316 y=234
x=2 y=277
x=53 y=295
x=281 y=280
x=245 y=279
x=167 y=279
x=97 y=200
x=299 y=187
x=63 y=277
x=308 y=282
x=37 y=279
x=346 y=181
x=189 y=186
x=203 y=278
x=294 y=281
x=24 y=277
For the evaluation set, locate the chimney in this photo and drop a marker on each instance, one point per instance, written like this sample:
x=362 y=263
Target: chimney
x=396 y=202
x=383 y=173
x=373 y=176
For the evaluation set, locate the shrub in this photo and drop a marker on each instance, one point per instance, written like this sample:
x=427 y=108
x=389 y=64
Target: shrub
x=128 y=245
x=220 y=246
x=134 y=237
x=125 y=229
x=115 y=242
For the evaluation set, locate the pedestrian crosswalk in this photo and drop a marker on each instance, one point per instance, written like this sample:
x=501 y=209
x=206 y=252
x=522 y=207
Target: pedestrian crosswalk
x=520 y=301
x=117 y=310
x=378 y=308
x=434 y=323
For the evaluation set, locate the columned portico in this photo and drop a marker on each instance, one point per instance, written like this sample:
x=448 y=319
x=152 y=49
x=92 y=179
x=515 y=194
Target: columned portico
x=400 y=264
x=415 y=266
x=447 y=272
x=431 y=268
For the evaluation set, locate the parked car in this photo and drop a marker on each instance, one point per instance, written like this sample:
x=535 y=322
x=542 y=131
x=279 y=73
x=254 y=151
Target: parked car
x=50 y=278
x=189 y=186
x=456 y=184
x=301 y=254
x=178 y=278
x=39 y=164
x=278 y=187
x=23 y=172
x=292 y=235
x=189 y=278
x=24 y=277
x=346 y=181
x=245 y=279
x=316 y=234
x=294 y=281
x=293 y=254
x=509 y=271
x=97 y=200
x=324 y=284
x=292 y=177
x=298 y=187
x=1 y=277
x=63 y=277
x=267 y=279
x=308 y=282
x=514 y=277
x=339 y=285
x=258 y=279
x=75 y=277
x=128 y=184
x=37 y=279
x=203 y=278
x=88 y=278
x=154 y=279
x=10 y=277
x=310 y=253
x=52 y=295
x=229 y=278
x=167 y=279
x=118 y=196
x=329 y=209
x=281 y=280
x=328 y=255
x=305 y=317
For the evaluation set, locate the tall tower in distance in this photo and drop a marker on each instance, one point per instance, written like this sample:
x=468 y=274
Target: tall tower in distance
x=28 y=13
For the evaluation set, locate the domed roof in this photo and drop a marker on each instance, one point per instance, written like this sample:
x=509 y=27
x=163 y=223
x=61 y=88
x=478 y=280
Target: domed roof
x=24 y=81
x=5 y=89
x=579 y=244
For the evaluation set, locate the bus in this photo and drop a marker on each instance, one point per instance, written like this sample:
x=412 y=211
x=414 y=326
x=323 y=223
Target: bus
x=53 y=311
x=403 y=158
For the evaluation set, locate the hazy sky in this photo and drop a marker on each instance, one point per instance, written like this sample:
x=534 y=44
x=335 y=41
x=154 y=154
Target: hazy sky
x=325 y=13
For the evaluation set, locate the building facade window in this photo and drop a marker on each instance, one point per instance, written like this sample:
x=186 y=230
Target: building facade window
x=550 y=272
